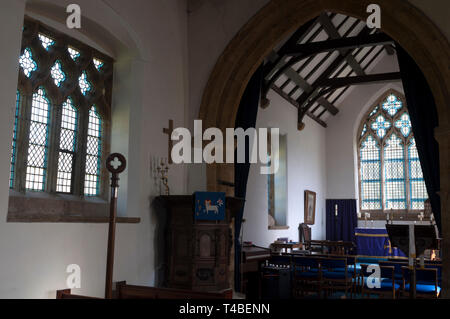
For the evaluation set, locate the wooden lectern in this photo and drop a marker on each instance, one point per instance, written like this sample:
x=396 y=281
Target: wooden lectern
x=196 y=253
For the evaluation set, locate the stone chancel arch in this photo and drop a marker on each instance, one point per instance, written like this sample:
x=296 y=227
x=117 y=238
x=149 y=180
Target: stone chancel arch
x=403 y=22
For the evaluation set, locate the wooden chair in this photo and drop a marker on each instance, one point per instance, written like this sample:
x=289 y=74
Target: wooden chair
x=304 y=234
x=387 y=286
x=427 y=283
x=307 y=275
x=336 y=276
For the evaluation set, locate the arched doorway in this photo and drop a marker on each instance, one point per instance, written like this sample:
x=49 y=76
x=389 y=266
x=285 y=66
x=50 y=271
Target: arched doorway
x=279 y=18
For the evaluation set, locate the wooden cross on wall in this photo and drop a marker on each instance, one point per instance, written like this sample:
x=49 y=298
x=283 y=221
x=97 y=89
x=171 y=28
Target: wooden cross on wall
x=169 y=131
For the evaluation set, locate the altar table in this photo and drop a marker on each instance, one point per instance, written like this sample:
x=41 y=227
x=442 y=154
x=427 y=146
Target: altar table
x=374 y=242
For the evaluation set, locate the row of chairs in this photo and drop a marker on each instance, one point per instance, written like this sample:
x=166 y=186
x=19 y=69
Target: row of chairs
x=325 y=274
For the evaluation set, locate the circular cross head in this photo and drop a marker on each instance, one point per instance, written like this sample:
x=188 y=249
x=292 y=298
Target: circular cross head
x=116 y=163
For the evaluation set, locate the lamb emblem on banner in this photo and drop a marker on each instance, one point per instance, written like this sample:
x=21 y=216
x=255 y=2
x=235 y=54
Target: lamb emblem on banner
x=213 y=208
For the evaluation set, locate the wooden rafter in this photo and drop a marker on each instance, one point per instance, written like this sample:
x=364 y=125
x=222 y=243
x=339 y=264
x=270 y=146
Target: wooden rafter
x=304 y=46
x=360 y=41
x=295 y=103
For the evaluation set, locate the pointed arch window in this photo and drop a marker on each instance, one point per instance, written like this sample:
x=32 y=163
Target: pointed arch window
x=38 y=141
x=390 y=175
x=93 y=153
x=67 y=147
x=59 y=138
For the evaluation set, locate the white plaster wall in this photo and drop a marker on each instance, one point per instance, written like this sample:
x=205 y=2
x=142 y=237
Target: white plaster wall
x=306 y=163
x=212 y=24
x=342 y=129
x=150 y=87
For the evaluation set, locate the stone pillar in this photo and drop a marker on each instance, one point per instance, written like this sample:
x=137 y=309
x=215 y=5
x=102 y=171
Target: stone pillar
x=442 y=134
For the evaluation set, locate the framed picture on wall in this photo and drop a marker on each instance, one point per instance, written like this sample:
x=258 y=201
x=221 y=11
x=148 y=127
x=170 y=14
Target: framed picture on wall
x=310 y=207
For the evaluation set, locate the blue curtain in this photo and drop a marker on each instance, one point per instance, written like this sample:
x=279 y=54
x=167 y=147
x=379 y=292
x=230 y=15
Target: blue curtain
x=424 y=119
x=343 y=226
x=245 y=118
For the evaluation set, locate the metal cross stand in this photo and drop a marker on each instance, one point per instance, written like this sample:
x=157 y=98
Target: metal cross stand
x=116 y=164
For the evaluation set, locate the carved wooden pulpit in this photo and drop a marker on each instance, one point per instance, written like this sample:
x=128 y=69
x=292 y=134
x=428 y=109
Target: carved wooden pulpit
x=196 y=252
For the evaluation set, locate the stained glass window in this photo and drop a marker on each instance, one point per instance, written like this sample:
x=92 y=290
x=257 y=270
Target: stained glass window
x=98 y=64
x=93 y=154
x=85 y=85
x=417 y=186
x=57 y=74
x=14 y=141
x=404 y=124
x=364 y=130
x=46 y=41
x=390 y=172
x=392 y=105
x=394 y=174
x=380 y=126
x=370 y=171
x=27 y=63
x=67 y=145
x=38 y=142
x=74 y=54
x=59 y=143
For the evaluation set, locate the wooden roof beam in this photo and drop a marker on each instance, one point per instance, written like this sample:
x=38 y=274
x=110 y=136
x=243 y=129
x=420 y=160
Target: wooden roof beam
x=334 y=34
x=339 y=44
x=295 y=103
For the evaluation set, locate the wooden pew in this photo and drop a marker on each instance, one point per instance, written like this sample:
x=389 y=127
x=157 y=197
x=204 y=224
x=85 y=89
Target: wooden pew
x=125 y=291
x=66 y=294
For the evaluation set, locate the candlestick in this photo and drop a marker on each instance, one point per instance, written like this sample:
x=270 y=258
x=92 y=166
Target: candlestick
x=163 y=171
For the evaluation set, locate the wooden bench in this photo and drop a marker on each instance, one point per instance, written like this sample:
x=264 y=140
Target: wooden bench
x=124 y=291
x=66 y=294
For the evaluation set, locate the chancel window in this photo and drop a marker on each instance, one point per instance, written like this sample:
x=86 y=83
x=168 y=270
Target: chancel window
x=61 y=115
x=390 y=175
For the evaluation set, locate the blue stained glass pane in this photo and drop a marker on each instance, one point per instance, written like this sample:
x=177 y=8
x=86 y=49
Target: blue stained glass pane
x=46 y=41
x=14 y=141
x=370 y=170
x=93 y=154
x=404 y=124
x=380 y=126
x=375 y=110
x=392 y=105
x=85 y=85
x=394 y=174
x=417 y=185
x=27 y=63
x=38 y=142
x=57 y=74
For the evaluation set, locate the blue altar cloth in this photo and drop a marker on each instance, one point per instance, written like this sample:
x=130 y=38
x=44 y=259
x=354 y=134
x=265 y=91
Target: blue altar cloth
x=374 y=242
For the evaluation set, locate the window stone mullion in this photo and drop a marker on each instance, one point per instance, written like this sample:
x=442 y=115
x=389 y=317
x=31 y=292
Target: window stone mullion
x=80 y=166
x=23 y=135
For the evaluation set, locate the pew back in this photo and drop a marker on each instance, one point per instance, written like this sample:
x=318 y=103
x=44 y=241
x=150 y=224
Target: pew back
x=125 y=291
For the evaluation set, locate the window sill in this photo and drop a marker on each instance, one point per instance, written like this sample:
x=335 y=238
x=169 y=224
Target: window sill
x=56 y=208
x=278 y=227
